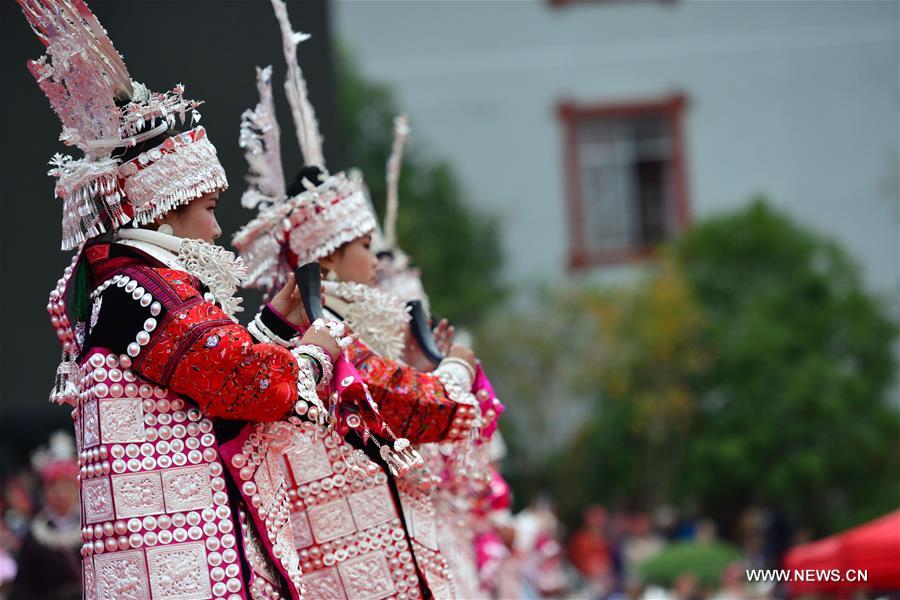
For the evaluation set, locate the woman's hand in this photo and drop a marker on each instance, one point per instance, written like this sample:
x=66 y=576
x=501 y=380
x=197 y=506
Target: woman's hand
x=289 y=303
x=324 y=340
x=443 y=336
x=459 y=351
x=413 y=355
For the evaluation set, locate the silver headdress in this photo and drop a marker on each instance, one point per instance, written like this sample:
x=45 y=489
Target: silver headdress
x=101 y=109
x=395 y=274
x=57 y=458
x=401 y=133
x=290 y=231
x=260 y=138
x=307 y=127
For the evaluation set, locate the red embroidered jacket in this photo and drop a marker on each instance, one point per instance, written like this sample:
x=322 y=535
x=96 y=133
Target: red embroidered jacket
x=193 y=348
x=414 y=404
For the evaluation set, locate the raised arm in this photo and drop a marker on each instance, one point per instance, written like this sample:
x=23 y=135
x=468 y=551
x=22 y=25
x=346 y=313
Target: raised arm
x=177 y=339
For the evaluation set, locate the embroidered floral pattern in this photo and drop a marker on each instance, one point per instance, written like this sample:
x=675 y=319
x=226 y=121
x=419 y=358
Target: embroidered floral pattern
x=414 y=404
x=231 y=372
x=367 y=577
x=138 y=495
x=179 y=572
x=187 y=489
x=232 y=369
x=122 y=575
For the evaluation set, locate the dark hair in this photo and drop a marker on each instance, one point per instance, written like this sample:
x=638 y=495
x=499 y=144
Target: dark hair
x=310 y=172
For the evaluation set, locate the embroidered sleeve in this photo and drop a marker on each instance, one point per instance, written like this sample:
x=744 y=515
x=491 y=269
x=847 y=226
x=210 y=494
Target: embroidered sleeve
x=272 y=327
x=415 y=404
x=277 y=322
x=190 y=346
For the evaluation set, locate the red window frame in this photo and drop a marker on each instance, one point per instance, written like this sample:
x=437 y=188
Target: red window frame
x=570 y=113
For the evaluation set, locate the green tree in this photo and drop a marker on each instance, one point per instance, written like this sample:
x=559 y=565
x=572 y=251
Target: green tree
x=626 y=369
x=794 y=409
x=456 y=248
x=706 y=561
x=748 y=365
x=534 y=377
x=652 y=354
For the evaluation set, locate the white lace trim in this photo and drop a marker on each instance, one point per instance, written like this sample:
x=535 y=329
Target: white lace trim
x=215 y=267
x=380 y=319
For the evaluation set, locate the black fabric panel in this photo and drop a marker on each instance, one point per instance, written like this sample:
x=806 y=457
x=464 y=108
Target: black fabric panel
x=278 y=326
x=121 y=317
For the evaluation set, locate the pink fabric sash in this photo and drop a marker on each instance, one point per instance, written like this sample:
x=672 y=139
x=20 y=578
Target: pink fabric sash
x=491 y=407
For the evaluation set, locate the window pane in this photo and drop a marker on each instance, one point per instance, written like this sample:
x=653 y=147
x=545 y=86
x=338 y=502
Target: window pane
x=608 y=218
x=650 y=201
x=625 y=174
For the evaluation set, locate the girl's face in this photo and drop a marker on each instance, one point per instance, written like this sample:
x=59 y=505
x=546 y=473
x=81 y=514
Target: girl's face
x=353 y=262
x=196 y=220
x=61 y=496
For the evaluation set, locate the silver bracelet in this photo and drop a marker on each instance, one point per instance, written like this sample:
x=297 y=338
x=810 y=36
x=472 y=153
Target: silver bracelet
x=459 y=369
x=258 y=335
x=311 y=363
x=318 y=353
x=308 y=404
x=464 y=363
x=467 y=417
x=260 y=331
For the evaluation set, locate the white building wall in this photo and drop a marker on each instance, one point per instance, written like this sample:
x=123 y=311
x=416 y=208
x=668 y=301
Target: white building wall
x=797 y=100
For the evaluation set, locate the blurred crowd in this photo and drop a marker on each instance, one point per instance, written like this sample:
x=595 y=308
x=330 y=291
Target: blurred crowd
x=525 y=555
x=531 y=556
x=608 y=549
x=40 y=530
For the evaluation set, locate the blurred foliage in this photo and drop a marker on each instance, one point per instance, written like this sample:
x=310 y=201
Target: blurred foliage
x=706 y=561
x=794 y=407
x=748 y=366
x=617 y=367
x=653 y=355
x=457 y=249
